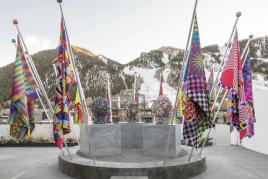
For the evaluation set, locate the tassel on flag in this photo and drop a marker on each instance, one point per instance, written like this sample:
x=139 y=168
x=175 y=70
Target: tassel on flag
x=232 y=79
x=78 y=109
x=196 y=105
x=247 y=76
x=22 y=118
x=64 y=80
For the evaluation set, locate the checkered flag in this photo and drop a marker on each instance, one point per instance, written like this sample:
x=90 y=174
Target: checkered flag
x=190 y=133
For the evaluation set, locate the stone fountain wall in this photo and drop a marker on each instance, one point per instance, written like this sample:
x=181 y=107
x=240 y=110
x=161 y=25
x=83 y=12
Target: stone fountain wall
x=111 y=139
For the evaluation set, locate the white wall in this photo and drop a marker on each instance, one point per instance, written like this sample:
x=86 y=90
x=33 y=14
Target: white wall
x=41 y=130
x=259 y=142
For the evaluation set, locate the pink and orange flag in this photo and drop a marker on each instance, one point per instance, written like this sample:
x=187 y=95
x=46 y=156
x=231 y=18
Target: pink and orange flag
x=232 y=79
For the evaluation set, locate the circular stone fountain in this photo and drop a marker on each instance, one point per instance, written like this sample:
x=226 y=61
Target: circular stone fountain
x=136 y=149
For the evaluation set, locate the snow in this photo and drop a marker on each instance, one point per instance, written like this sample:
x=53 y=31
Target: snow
x=166 y=73
x=264 y=60
x=150 y=86
x=165 y=59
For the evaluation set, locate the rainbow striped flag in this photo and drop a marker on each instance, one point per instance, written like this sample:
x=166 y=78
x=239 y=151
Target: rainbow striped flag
x=64 y=80
x=22 y=118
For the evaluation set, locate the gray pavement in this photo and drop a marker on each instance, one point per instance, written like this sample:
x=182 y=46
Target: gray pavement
x=226 y=162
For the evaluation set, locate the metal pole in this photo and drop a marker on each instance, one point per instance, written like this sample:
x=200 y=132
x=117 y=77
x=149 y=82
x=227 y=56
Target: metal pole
x=238 y=14
x=75 y=133
x=191 y=154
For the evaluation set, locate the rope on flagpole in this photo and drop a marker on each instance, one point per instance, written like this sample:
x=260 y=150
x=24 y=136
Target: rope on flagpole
x=36 y=75
x=185 y=57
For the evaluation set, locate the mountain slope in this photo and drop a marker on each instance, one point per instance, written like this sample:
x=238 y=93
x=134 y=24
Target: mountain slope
x=94 y=71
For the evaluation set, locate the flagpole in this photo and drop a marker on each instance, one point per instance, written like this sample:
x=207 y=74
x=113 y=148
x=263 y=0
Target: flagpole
x=184 y=59
x=246 y=51
x=238 y=14
x=84 y=104
x=36 y=75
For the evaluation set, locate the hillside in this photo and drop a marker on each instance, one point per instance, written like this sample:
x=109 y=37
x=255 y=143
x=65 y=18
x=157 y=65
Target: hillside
x=151 y=64
x=93 y=70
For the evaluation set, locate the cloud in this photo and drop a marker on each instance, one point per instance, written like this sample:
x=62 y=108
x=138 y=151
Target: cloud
x=36 y=44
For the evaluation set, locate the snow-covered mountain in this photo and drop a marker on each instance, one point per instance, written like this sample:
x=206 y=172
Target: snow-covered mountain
x=168 y=61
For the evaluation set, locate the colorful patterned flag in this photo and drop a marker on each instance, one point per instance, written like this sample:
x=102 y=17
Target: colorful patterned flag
x=22 y=118
x=247 y=76
x=196 y=105
x=64 y=80
x=232 y=79
x=161 y=85
x=78 y=109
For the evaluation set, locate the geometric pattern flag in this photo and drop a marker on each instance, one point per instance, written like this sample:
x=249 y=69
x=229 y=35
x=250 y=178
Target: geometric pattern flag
x=247 y=76
x=78 y=109
x=64 y=80
x=196 y=106
x=161 y=85
x=232 y=79
x=22 y=119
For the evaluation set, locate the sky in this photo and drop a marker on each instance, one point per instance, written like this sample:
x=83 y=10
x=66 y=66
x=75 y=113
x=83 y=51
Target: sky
x=122 y=29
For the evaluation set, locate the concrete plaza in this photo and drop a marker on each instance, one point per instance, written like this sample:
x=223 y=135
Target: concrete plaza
x=223 y=162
